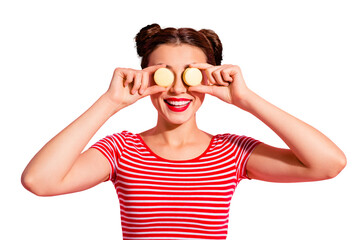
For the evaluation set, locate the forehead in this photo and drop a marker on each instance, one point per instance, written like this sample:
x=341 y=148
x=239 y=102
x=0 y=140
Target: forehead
x=174 y=55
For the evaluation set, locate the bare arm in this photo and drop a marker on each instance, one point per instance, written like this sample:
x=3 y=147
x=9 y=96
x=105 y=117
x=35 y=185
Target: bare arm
x=311 y=155
x=45 y=173
x=60 y=166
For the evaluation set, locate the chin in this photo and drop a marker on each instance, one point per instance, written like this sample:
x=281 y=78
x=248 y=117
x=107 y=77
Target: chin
x=176 y=110
x=177 y=119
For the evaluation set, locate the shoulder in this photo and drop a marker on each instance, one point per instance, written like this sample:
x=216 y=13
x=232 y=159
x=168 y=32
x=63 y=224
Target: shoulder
x=127 y=134
x=229 y=137
x=236 y=140
x=120 y=138
x=123 y=135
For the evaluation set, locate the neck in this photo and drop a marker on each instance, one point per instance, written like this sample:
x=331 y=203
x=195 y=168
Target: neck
x=176 y=134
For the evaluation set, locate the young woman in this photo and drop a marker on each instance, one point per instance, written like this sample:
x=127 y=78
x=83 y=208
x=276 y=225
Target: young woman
x=175 y=181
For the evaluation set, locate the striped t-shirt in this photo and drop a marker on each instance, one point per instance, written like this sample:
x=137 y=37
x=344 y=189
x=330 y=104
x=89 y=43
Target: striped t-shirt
x=175 y=199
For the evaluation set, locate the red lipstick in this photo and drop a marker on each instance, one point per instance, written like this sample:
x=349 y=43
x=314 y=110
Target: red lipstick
x=177 y=104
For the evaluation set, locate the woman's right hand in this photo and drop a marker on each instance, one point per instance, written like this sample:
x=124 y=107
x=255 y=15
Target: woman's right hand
x=129 y=85
x=60 y=166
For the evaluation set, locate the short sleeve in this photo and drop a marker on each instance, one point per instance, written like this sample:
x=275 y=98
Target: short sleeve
x=244 y=146
x=111 y=147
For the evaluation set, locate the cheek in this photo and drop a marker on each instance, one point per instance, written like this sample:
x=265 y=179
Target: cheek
x=155 y=99
x=201 y=97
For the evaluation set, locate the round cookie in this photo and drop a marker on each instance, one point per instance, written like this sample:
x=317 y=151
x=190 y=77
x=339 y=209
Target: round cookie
x=192 y=76
x=163 y=77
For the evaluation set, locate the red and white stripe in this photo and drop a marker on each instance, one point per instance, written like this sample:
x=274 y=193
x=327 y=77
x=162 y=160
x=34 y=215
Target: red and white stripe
x=175 y=199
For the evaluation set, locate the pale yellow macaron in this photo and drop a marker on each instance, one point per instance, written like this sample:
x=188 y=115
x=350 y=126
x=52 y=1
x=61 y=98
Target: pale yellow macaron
x=163 y=77
x=192 y=76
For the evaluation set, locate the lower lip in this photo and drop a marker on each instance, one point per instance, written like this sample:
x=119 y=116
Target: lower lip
x=178 y=109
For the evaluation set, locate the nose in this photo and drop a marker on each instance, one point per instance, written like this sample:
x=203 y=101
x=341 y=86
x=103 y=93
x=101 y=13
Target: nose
x=178 y=86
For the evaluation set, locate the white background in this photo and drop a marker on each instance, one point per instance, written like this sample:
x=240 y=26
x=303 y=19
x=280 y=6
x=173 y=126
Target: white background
x=57 y=58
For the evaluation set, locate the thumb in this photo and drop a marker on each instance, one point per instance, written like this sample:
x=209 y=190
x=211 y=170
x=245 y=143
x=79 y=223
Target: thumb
x=153 y=89
x=202 y=89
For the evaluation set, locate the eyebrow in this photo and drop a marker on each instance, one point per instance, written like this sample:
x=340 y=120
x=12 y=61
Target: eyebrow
x=169 y=66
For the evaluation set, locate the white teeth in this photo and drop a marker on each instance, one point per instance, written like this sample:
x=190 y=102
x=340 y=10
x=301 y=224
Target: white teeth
x=177 y=103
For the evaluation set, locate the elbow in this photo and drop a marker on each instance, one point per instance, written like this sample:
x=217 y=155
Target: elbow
x=335 y=167
x=340 y=165
x=330 y=168
x=29 y=183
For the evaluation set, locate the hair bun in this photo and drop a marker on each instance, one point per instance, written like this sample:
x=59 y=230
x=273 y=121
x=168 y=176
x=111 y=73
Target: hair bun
x=215 y=43
x=144 y=34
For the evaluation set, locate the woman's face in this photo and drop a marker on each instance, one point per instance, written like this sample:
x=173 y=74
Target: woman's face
x=177 y=105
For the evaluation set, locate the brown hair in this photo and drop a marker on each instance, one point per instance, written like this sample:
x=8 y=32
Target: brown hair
x=152 y=36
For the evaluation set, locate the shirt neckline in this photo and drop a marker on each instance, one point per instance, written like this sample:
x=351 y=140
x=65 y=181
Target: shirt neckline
x=176 y=161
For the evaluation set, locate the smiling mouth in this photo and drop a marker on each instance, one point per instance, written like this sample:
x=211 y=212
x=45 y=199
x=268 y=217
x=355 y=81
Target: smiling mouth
x=177 y=105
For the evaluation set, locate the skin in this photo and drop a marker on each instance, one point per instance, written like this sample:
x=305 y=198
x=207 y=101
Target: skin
x=176 y=135
x=61 y=167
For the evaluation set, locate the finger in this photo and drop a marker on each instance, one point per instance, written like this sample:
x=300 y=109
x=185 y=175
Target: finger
x=217 y=76
x=129 y=77
x=118 y=73
x=205 y=80
x=208 y=80
x=153 y=68
x=201 y=66
x=226 y=75
x=206 y=69
x=153 y=90
x=137 y=83
x=210 y=76
x=202 y=89
x=144 y=83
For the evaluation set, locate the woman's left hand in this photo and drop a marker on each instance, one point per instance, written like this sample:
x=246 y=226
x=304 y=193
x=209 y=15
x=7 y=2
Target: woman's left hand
x=224 y=82
x=311 y=157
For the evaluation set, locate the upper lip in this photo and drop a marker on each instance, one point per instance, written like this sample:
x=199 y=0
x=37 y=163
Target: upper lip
x=178 y=99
